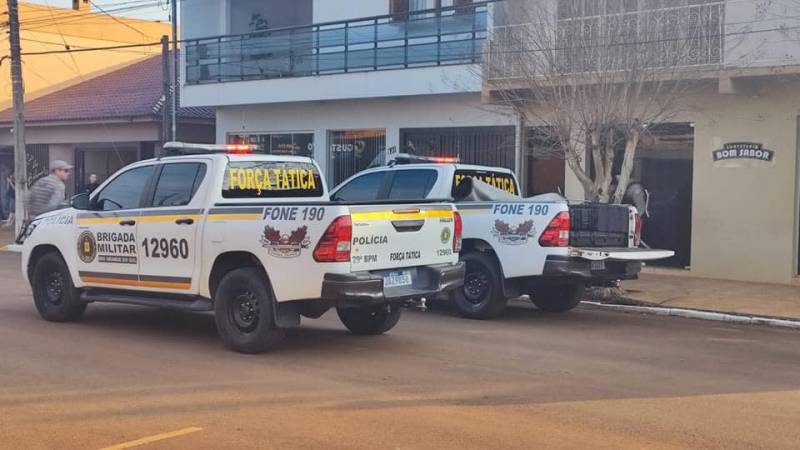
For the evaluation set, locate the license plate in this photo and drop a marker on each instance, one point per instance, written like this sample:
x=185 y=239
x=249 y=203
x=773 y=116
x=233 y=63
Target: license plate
x=598 y=265
x=397 y=279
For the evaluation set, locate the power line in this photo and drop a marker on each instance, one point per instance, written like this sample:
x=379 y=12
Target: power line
x=91 y=49
x=115 y=18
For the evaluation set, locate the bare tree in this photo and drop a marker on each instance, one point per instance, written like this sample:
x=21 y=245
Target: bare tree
x=594 y=81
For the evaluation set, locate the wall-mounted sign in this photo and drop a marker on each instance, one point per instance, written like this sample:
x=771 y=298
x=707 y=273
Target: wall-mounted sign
x=748 y=151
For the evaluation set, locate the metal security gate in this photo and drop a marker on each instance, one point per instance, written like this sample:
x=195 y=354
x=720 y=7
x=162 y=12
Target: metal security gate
x=351 y=151
x=489 y=146
x=38 y=156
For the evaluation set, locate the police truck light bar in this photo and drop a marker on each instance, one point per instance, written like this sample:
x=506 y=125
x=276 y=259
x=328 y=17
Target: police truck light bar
x=183 y=148
x=405 y=158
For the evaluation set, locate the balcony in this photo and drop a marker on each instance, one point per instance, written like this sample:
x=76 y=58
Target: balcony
x=652 y=38
x=448 y=36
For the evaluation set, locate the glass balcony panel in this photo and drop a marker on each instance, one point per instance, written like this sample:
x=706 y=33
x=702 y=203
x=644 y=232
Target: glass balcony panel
x=454 y=37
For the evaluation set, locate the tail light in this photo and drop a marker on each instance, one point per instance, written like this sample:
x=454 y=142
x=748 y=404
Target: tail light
x=637 y=233
x=557 y=232
x=334 y=245
x=458 y=230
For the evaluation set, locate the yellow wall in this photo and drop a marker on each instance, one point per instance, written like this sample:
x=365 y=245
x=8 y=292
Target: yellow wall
x=45 y=28
x=744 y=220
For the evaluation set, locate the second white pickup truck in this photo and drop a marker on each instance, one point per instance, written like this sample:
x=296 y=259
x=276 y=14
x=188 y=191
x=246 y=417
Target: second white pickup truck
x=544 y=246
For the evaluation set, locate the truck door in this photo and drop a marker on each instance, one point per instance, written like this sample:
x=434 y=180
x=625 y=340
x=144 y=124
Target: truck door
x=169 y=226
x=107 y=235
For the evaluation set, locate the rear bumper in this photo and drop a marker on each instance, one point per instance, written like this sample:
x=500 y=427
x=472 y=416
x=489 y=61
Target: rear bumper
x=570 y=267
x=365 y=288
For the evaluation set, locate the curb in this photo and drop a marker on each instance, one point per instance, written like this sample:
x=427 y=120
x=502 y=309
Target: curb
x=702 y=315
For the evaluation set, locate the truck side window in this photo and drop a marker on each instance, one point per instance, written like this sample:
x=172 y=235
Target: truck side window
x=178 y=183
x=363 y=188
x=414 y=184
x=124 y=191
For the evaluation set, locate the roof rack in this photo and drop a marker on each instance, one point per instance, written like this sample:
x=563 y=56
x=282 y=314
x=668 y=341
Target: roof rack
x=184 y=148
x=405 y=158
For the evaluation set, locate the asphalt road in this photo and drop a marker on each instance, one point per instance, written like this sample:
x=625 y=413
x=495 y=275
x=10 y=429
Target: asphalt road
x=587 y=378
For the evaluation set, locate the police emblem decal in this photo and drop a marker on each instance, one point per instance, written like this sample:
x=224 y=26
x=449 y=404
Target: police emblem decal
x=511 y=235
x=446 y=234
x=87 y=247
x=282 y=245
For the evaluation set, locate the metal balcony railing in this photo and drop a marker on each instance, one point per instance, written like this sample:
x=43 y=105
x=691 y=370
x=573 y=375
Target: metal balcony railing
x=445 y=36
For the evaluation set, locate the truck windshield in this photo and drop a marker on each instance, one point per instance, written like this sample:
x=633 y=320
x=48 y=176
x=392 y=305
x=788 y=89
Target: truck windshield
x=271 y=179
x=500 y=180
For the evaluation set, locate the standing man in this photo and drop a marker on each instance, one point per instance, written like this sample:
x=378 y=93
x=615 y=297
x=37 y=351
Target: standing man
x=49 y=193
x=92 y=185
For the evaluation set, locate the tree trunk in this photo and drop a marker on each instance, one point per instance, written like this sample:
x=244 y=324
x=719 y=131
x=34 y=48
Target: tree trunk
x=627 y=165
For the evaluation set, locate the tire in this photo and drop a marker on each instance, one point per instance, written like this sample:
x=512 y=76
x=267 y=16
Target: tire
x=482 y=295
x=243 y=312
x=558 y=298
x=54 y=294
x=372 y=320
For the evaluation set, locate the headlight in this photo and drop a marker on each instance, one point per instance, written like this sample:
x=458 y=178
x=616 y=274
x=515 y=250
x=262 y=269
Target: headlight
x=27 y=230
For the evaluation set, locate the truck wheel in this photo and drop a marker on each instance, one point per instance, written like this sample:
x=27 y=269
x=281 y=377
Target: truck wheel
x=54 y=295
x=558 y=298
x=243 y=312
x=371 y=320
x=482 y=295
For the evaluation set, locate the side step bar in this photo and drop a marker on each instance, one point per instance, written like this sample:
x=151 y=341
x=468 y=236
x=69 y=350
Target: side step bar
x=197 y=304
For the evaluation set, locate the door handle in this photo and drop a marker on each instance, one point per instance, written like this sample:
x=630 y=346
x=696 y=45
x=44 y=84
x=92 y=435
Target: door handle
x=185 y=221
x=127 y=223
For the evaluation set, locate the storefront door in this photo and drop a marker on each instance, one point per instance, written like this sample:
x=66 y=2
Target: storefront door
x=351 y=151
x=664 y=166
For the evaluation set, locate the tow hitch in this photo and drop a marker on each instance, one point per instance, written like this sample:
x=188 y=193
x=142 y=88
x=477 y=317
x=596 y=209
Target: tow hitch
x=420 y=304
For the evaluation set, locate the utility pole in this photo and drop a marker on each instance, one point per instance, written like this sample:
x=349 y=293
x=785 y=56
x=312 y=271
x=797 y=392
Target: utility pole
x=174 y=70
x=166 y=82
x=20 y=158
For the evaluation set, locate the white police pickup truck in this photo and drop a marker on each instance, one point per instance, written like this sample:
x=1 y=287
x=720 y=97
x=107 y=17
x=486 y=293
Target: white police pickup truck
x=543 y=246
x=253 y=238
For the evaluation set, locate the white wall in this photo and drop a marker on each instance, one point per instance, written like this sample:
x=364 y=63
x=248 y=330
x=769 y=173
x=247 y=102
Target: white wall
x=335 y=10
x=389 y=114
x=387 y=83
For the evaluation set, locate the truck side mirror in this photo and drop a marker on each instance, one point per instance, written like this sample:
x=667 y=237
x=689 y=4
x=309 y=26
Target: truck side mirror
x=80 y=201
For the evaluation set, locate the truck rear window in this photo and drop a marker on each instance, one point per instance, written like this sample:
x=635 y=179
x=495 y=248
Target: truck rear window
x=500 y=180
x=271 y=179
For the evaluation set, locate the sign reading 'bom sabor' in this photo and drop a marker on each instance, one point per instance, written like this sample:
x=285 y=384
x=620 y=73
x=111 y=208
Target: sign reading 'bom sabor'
x=742 y=152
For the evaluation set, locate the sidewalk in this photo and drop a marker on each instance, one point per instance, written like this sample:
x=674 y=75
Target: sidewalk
x=6 y=236
x=735 y=297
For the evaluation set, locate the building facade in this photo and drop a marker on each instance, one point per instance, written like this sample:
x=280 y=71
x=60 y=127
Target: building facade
x=722 y=172
x=347 y=82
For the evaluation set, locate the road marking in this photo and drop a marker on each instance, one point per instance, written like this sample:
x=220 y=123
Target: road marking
x=153 y=438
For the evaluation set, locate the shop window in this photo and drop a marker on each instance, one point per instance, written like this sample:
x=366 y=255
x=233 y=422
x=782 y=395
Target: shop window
x=291 y=144
x=351 y=151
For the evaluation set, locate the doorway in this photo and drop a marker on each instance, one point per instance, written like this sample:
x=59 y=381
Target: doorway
x=664 y=166
x=351 y=151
